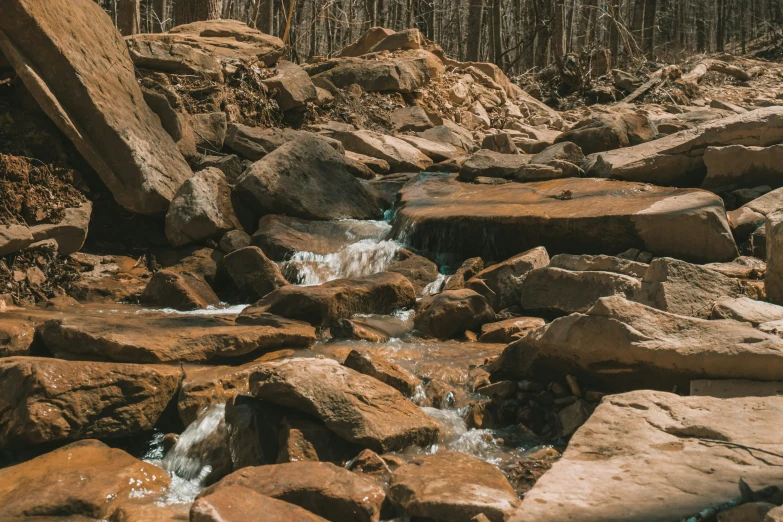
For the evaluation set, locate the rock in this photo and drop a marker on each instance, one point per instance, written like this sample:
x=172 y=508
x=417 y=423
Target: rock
x=321 y=488
x=412 y=118
x=201 y=209
x=419 y=270
x=438 y=152
x=104 y=115
x=641 y=347
x=404 y=73
x=177 y=123
x=732 y=388
x=238 y=504
x=685 y=289
x=367 y=41
x=196 y=260
x=748 y=310
x=358 y=169
x=99 y=480
x=491 y=164
x=451 y=134
x=774 y=515
x=500 y=142
x=409 y=39
x=744 y=267
x=773 y=278
x=371 y=464
x=447 y=315
x=210 y=130
x=387 y=372
x=400 y=155
x=452 y=487
x=738 y=166
x=305 y=179
x=587 y=263
x=678 y=159
x=439 y=215
x=233 y=240
x=173 y=58
x=642 y=440
x=292 y=86
x=46 y=400
x=165 y=339
x=229 y=164
x=604 y=132
x=378 y=166
x=470 y=268
x=16 y=336
x=750 y=512
x=563 y=151
x=558 y=291
x=381 y=293
x=572 y=417
x=180 y=291
x=69 y=234
x=252 y=271
x=509 y=330
x=501 y=284
x=358 y=408
x=14 y=238
x=255 y=143
x=625 y=81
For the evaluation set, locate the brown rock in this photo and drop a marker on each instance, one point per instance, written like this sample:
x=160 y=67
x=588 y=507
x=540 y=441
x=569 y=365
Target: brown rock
x=413 y=118
x=502 y=284
x=292 y=85
x=470 y=268
x=500 y=142
x=367 y=41
x=16 y=336
x=252 y=271
x=387 y=372
x=419 y=270
x=449 y=314
x=605 y=132
x=239 y=504
x=400 y=155
x=509 y=330
x=180 y=291
x=487 y=163
x=210 y=130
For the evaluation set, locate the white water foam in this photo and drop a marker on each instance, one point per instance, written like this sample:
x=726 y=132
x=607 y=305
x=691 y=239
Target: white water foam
x=360 y=259
x=223 y=309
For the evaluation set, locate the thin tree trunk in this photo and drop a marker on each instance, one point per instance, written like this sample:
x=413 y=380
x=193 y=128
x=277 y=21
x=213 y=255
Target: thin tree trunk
x=497 y=31
x=650 y=11
x=129 y=17
x=637 y=24
x=475 y=14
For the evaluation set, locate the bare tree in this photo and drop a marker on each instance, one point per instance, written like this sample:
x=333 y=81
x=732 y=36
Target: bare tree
x=188 y=11
x=129 y=16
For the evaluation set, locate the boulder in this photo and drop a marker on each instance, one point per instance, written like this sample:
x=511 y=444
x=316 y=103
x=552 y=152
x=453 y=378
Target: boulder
x=252 y=271
x=619 y=345
x=239 y=504
x=210 y=130
x=173 y=58
x=230 y=165
x=69 y=233
x=646 y=441
x=400 y=155
x=605 y=132
x=233 y=240
x=255 y=142
x=685 y=289
x=451 y=134
x=412 y=118
x=558 y=291
x=47 y=400
x=454 y=221
x=747 y=310
x=490 y=164
x=357 y=168
x=359 y=409
x=509 y=330
x=82 y=481
x=387 y=372
x=381 y=293
x=367 y=41
x=587 y=263
x=292 y=86
x=738 y=166
x=452 y=487
x=305 y=179
x=732 y=388
x=201 y=209
x=467 y=270
x=405 y=73
x=434 y=150
x=563 y=151
x=176 y=122
x=178 y=290
x=449 y=314
x=419 y=270
x=773 y=278
x=501 y=284
x=409 y=39
x=16 y=336
x=378 y=166
x=500 y=142
x=678 y=159
x=323 y=489
x=96 y=103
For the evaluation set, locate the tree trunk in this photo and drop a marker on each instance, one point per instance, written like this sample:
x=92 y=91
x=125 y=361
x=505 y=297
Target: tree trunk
x=614 y=32
x=475 y=14
x=265 y=16
x=637 y=24
x=497 y=31
x=160 y=16
x=188 y=11
x=650 y=9
x=129 y=17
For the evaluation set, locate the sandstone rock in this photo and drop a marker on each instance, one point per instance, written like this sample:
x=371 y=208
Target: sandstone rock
x=748 y=310
x=180 y=291
x=233 y=240
x=173 y=58
x=625 y=81
x=292 y=85
x=358 y=169
x=437 y=152
x=452 y=487
x=255 y=143
x=16 y=336
x=500 y=142
x=492 y=164
x=201 y=209
x=14 y=238
x=774 y=515
x=387 y=372
x=358 y=408
x=419 y=270
x=412 y=118
x=587 y=263
x=381 y=293
x=738 y=166
x=509 y=330
x=452 y=134
x=69 y=234
x=467 y=270
x=367 y=41
x=605 y=132
x=229 y=164
x=96 y=103
x=501 y=284
x=252 y=271
x=619 y=345
x=409 y=39
x=449 y=314
x=563 y=151
x=554 y=290
x=642 y=440
x=773 y=278
x=47 y=400
x=400 y=155
x=378 y=166
x=210 y=130
x=439 y=215
x=238 y=504
x=685 y=289
x=177 y=123
x=405 y=73
x=732 y=388
x=84 y=479
x=319 y=487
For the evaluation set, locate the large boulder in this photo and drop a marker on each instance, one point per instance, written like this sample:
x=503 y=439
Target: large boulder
x=450 y=313
x=358 y=408
x=509 y=330
x=610 y=131
x=46 y=400
x=307 y=179
x=452 y=487
x=451 y=134
x=490 y=164
x=412 y=118
x=16 y=336
x=773 y=277
x=434 y=150
x=151 y=53
x=619 y=345
x=454 y=221
x=70 y=232
x=292 y=86
x=322 y=305
x=647 y=441
x=238 y=504
x=501 y=284
x=255 y=142
x=366 y=41
x=96 y=102
x=178 y=290
x=740 y=166
x=252 y=271
x=385 y=371
x=399 y=154
x=748 y=310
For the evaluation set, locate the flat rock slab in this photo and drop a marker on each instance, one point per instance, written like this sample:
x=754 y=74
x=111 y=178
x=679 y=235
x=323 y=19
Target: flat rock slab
x=239 y=504
x=438 y=214
x=358 y=408
x=641 y=457
x=93 y=97
x=619 y=345
x=162 y=339
x=46 y=400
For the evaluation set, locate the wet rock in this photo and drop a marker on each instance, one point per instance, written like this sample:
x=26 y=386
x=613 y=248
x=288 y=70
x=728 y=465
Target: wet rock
x=253 y=272
x=358 y=408
x=437 y=214
x=509 y=330
x=381 y=293
x=419 y=270
x=642 y=440
x=46 y=400
x=501 y=284
x=452 y=134
x=372 y=328
x=348 y=329
x=449 y=314
x=387 y=372
x=643 y=347
x=470 y=268
x=305 y=179
x=99 y=480
x=685 y=289
x=400 y=155
x=554 y=290
x=738 y=166
x=358 y=169
x=303 y=439
x=487 y=163
x=748 y=310
x=292 y=86
x=180 y=291
x=16 y=336
x=104 y=116
x=587 y=263
x=606 y=132
x=563 y=151
x=201 y=209
x=437 y=152
x=404 y=73
x=238 y=504
x=234 y=240
x=413 y=118
x=372 y=465
x=501 y=143
x=202 y=262
x=230 y=165
x=452 y=487
x=164 y=339
x=367 y=41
